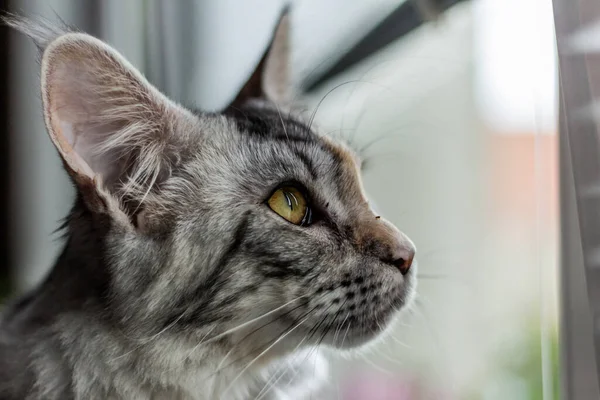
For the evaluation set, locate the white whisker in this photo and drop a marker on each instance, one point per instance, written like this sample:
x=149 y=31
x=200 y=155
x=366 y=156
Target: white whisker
x=386 y=357
x=335 y=336
x=280 y=372
x=200 y=342
x=241 y=326
x=377 y=367
x=339 y=329
x=394 y=338
x=262 y=354
x=150 y=339
x=282 y=123
x=245 y=324
x=345 y=334
x=289 y=382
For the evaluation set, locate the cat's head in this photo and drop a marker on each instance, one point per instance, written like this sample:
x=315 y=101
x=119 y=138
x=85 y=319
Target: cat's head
x=246 y=223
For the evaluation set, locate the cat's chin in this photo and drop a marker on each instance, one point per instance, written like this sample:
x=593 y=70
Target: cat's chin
x=365 y=334
x=362 y=336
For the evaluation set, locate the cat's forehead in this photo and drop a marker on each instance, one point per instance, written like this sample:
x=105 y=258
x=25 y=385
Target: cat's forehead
x=288 y=130
x=270 y=122
x=261 y=147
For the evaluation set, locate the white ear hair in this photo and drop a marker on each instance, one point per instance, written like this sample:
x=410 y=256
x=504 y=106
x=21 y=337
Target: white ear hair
x=107 y=121
x=98 y=108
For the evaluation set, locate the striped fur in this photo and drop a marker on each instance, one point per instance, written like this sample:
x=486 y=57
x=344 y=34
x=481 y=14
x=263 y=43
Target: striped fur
x=177 y=281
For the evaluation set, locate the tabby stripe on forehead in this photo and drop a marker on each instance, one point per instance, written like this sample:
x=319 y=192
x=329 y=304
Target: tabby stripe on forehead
x=310 y=166
x=280 y=137
x=298 y=152
x=269 y=125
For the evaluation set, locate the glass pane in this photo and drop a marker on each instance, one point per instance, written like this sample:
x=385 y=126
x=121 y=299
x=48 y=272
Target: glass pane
x=457 y=124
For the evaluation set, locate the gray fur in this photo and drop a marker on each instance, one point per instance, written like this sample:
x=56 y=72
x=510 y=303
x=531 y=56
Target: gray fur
x=180 y=282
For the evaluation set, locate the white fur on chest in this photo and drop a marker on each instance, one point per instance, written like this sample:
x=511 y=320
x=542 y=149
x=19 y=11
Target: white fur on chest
x=294 y=377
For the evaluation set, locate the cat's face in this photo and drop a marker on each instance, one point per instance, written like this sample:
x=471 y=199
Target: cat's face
x=246 y=223
x=234 y=257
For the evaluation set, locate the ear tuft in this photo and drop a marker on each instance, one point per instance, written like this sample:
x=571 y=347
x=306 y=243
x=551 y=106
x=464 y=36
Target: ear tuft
x=41 y=31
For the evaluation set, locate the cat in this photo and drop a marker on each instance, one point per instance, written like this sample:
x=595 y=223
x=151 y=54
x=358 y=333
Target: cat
x=208 y=255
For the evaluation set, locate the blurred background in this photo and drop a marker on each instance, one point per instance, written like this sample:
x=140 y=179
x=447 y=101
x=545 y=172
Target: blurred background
x=454 y=104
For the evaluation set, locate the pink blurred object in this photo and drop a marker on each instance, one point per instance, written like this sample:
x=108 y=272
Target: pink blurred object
x=373 y=386
x=370 y=386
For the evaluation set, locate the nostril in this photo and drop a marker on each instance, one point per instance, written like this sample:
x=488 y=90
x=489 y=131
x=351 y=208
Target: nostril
x=389 y=245
x=403 y=264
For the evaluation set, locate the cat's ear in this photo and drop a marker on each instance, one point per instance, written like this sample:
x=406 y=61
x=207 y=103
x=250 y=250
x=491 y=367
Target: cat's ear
x=271 y=77
x=115 y=132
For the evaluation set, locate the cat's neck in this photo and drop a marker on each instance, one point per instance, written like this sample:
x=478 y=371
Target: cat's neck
x=79 y=277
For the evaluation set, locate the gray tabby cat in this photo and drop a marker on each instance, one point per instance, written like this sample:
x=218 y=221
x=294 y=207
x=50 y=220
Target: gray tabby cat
x=208 y=255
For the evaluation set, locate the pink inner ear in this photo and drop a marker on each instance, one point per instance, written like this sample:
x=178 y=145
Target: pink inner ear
x=72 y=107
x=91 y=98
x=63 y=138
x=105 y=119
x=72 y=145
x=68 y=133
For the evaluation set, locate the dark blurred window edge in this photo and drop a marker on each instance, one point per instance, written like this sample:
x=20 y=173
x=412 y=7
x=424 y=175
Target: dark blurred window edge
x=407 y=17
x=4 y=157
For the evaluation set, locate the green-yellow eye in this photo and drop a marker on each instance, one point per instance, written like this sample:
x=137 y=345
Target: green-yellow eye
x=291 y=204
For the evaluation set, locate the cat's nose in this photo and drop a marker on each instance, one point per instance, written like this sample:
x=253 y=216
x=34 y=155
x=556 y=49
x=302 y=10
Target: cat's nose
x=402 y=255
x=384 y=241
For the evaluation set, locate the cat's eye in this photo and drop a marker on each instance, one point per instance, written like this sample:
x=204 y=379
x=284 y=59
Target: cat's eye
x=291 y=204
